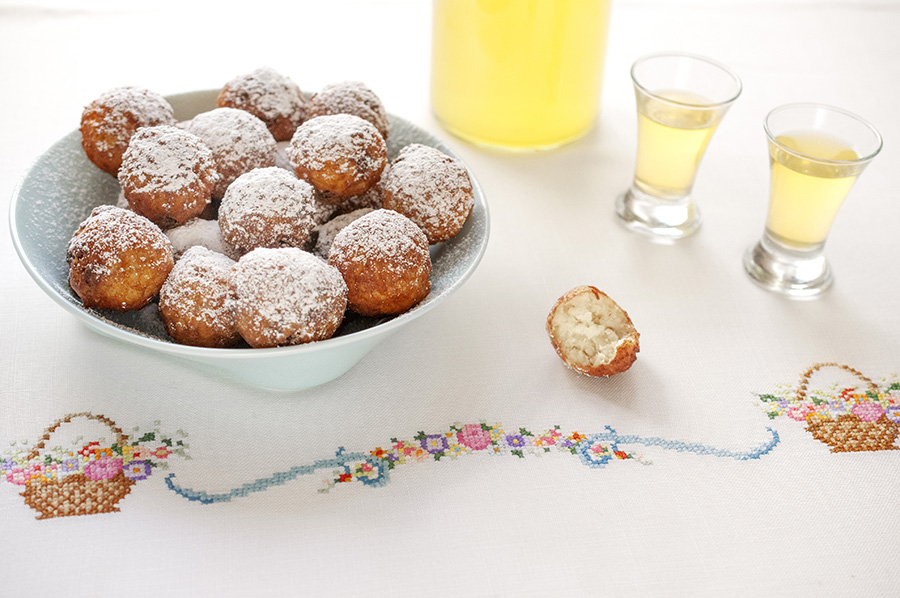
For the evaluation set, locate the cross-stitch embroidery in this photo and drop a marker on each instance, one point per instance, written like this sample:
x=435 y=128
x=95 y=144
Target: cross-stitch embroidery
x=87 y=478
x=373 y=468
x=847 y=419
x=92 y=477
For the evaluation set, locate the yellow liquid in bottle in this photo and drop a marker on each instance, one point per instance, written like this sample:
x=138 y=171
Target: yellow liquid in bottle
x=518 y=74
x=671 y=142
x=805 y=194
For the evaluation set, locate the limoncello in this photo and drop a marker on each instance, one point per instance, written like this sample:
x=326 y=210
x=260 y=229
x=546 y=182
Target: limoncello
x=809 y=181
x=518 y=74
x=673 y=133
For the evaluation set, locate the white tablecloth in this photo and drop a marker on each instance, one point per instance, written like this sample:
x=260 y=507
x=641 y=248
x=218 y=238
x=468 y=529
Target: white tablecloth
x=669 y=480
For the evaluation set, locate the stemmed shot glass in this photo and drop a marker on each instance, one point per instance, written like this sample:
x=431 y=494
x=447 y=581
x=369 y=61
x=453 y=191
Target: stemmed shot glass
x=816 y=153
x=681 y=99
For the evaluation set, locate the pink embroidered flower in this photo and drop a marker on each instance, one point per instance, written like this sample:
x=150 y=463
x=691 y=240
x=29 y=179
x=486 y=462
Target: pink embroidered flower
x=474 y=437
x=17 y=476
x=867 y=412
x=799 y=412
x=104 y=468
x=598 y=448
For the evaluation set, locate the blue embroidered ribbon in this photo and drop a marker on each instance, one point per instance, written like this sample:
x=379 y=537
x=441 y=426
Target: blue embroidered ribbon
x=372 y=469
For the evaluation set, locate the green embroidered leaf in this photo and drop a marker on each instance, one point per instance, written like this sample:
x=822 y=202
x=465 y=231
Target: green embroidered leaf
x=525 y=432
x=518 y=454
x=148 y=437
x=768 y=398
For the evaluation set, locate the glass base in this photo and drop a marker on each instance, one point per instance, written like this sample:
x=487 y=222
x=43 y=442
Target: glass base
x=659 y=219
x=799 y=274
x=505 y=145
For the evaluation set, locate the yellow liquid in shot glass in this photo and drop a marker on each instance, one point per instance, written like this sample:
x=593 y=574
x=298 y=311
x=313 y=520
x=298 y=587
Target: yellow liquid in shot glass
x=518 y=74
x=805 y=195
x=671 y=142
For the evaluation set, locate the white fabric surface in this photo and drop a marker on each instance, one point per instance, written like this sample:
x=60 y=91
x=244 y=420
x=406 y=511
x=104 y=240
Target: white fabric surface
x=797 y=520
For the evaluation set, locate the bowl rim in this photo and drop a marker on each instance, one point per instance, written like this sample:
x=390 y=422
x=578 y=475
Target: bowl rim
x=139 y=338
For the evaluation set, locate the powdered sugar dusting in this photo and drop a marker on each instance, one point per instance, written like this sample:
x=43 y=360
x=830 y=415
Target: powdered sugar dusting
x=239 y=142
x=431 y=188
x=267 y=207
x=196 y=232
x=350 y=97
x=287 y=296
x=328 y=231
x=382 y=236
x=328 y=141
x=166 y=159
x=120 y=111
x=109 y=231
x=195 y=297
x=266 y=93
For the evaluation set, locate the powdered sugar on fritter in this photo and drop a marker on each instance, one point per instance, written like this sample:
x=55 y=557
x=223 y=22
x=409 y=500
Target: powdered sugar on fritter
x=384 y=237
x=267 y=207
x=430 y=188
x=287 y=296
x=166 y=159
x=268 y=92
x=196 y=231
x=328 y=141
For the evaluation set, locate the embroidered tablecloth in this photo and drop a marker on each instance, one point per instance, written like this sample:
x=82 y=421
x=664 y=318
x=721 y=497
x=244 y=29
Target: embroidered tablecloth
x=750 y=451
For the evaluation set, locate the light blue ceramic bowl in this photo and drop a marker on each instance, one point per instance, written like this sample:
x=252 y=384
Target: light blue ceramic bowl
x=62 y=187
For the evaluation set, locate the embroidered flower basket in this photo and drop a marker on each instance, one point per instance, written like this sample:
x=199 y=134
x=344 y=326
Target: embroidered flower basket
x=79 y=493
x=864 y=429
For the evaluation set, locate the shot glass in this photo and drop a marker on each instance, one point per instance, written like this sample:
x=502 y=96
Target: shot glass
x=816 y=153
x=681 y=100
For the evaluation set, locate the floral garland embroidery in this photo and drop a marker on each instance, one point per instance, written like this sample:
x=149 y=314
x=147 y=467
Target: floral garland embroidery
x=473 y=438
x=373 y=468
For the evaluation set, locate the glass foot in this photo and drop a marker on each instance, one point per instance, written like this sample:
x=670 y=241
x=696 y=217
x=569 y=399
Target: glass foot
x=789 y=272
x=659 y=219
